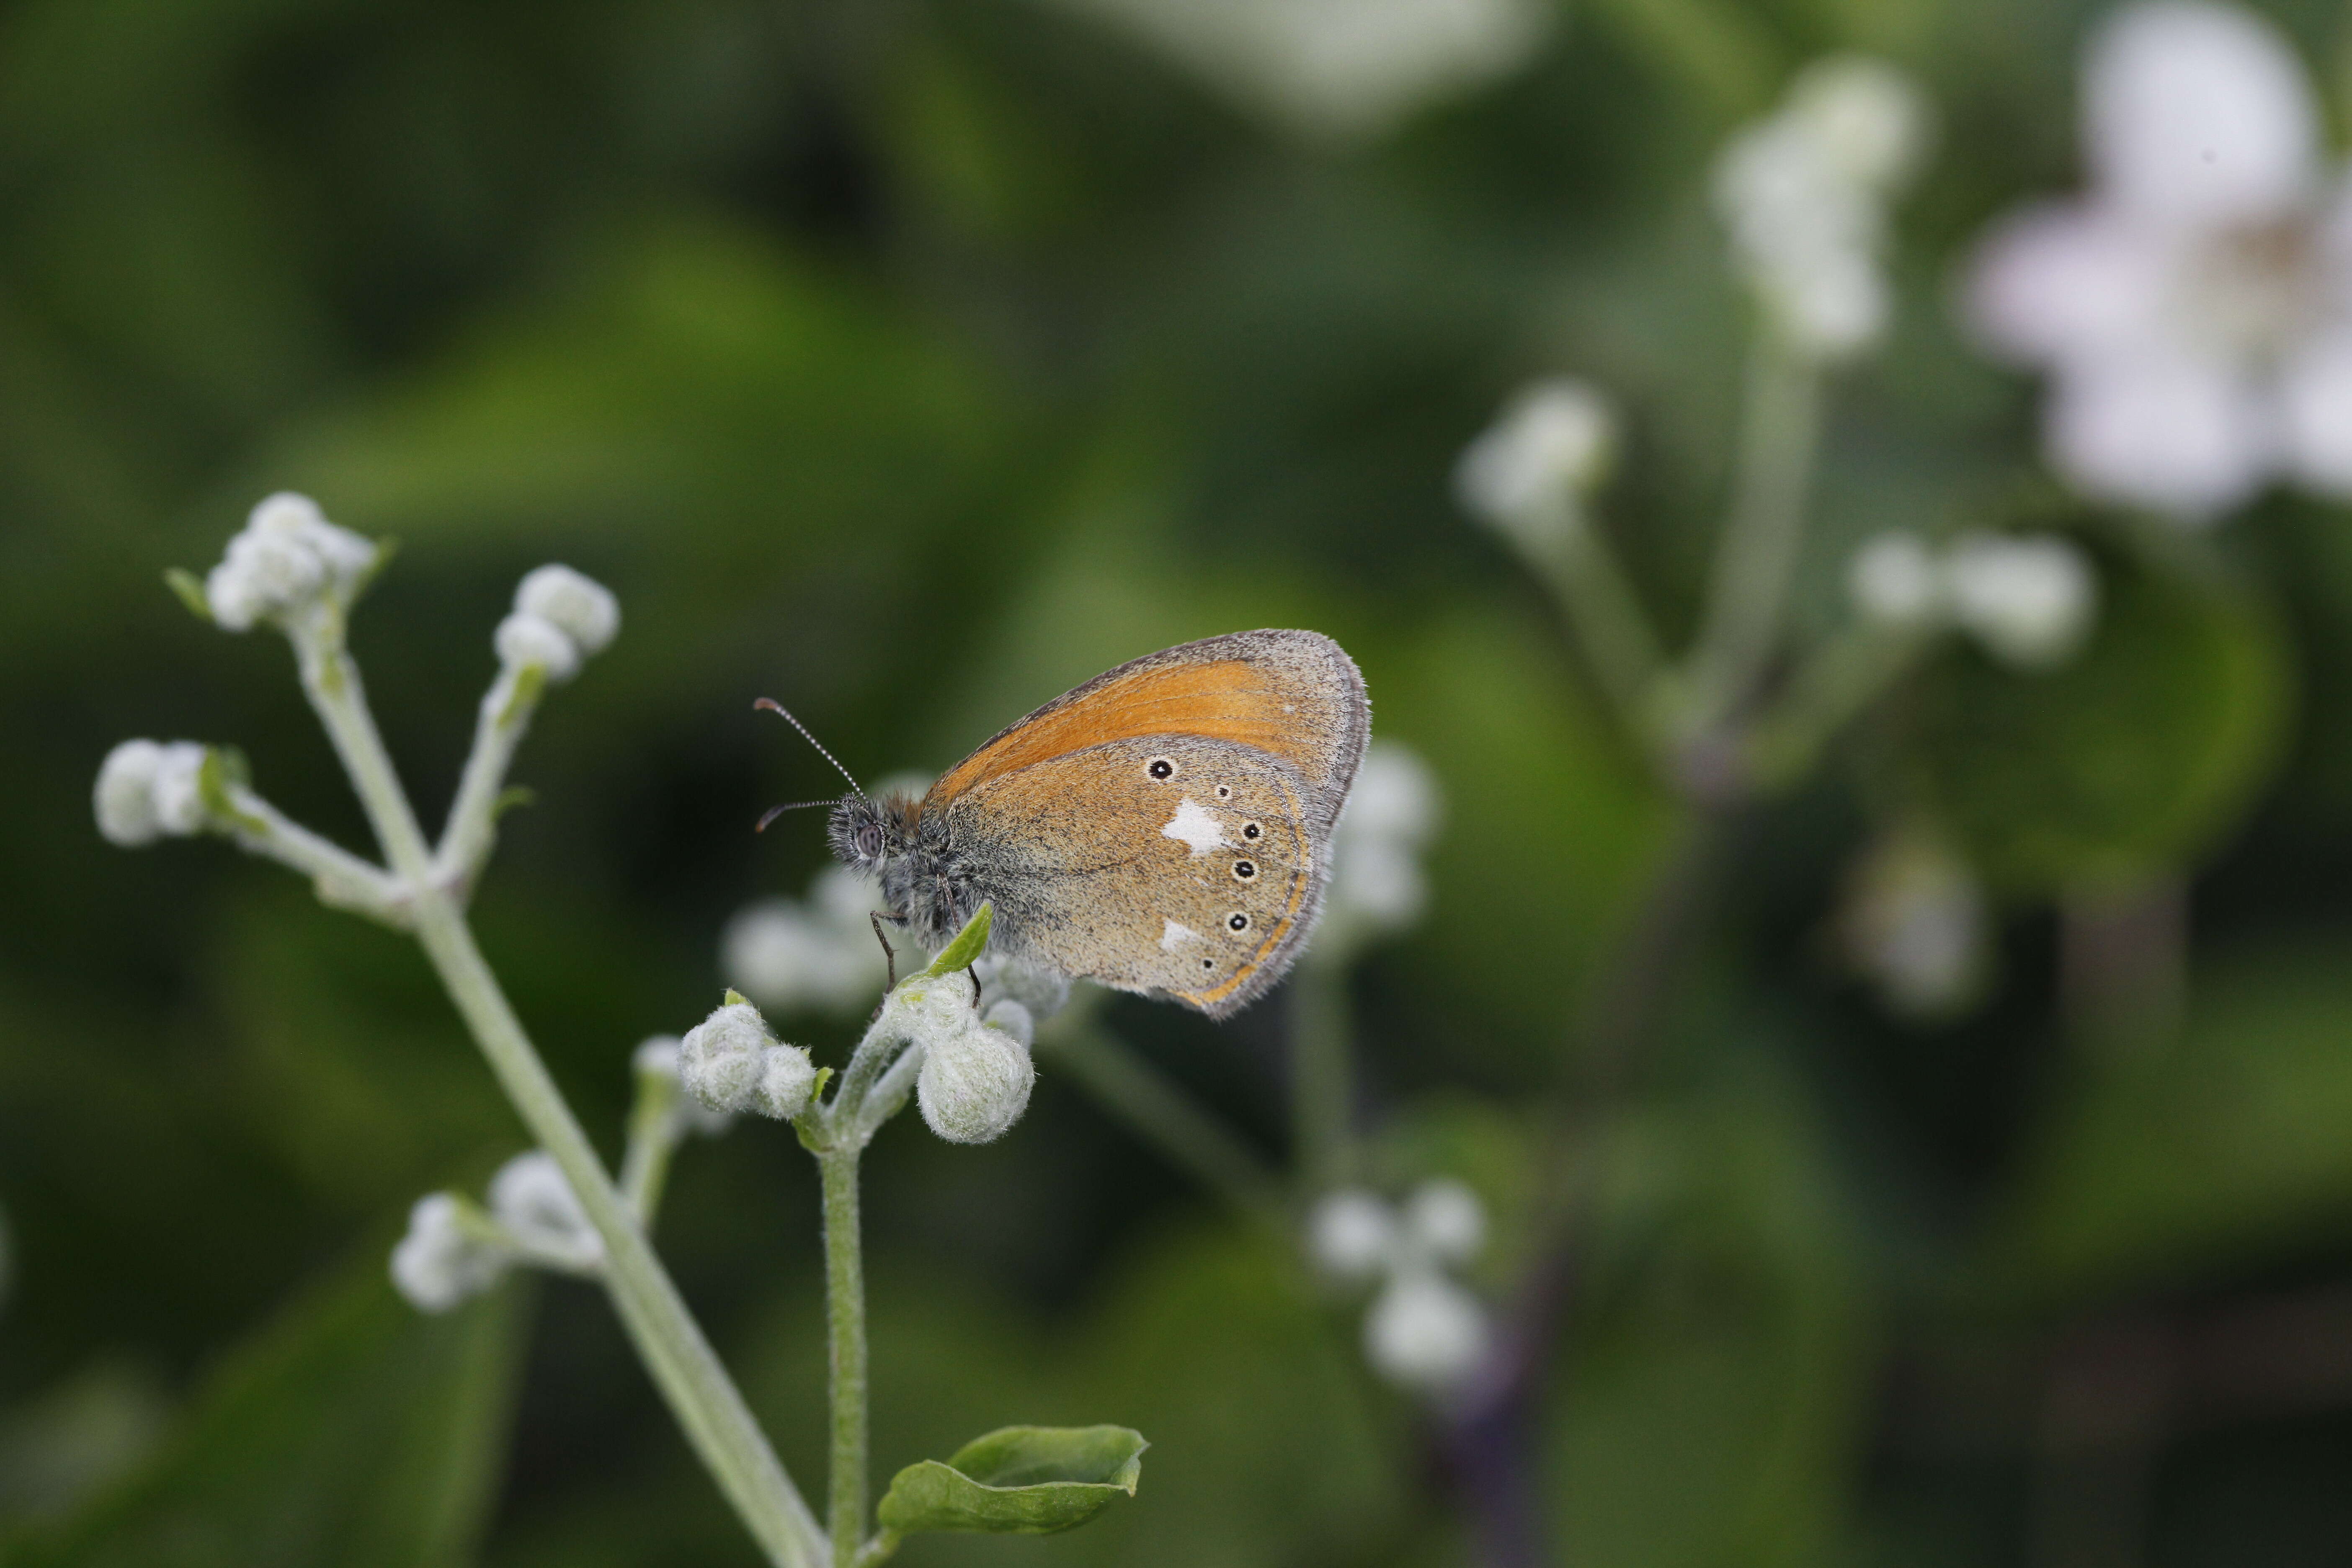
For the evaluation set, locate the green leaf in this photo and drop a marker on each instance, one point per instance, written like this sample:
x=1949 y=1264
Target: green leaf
x=1018 y=1480
x=967 y=946
x=191 y=591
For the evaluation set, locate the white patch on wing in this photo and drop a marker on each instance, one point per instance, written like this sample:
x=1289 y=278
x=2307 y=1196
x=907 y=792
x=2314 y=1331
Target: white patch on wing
x=1176 y=936
x=1195 y=826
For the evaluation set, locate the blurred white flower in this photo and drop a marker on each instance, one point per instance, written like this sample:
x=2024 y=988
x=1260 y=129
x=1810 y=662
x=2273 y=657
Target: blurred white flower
x=537 y=1205
x=147 y=790
x=2194 y=308
x=286 y=560
x=1897 y=579
x=1804 y=195
x=1527 y=474
x=1915 y=922
x=448 y=1255
x=1377 y=886
x=1425 y=1332
x=581 y=607
x=2030 y=599
x=817 y=954
x=1336 y=70
x=1351 y=1234
x=524 y=641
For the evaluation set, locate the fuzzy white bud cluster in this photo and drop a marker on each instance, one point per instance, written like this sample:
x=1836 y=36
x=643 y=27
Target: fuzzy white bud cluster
x=1424 y=1330
x=976 y=1074
x=2029 y=600
x=560 y=619
x=530 y=1198
x=1915 y=923
x=815 y=954
x=656 y=1060
x=1527 y=475
x=1393 y=810
x=730 y=1062
x=148 y=790
x=286 y=561
x=455 y=1250
x=1804 y=194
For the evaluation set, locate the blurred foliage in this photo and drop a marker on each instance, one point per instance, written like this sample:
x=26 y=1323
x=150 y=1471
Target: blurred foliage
x=911 y=361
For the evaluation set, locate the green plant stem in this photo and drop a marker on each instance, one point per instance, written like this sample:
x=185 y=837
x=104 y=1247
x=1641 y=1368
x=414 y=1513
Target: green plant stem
x=706 y=1402
x=1836 y=682
x=1780 y=427
x=1166 y=1118
x=653 y=1139
x=1322 y=1077
x=1605 y=616
x=844 y=1288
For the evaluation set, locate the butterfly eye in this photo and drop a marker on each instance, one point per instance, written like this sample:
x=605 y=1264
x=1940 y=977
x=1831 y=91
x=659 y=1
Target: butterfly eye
x=869 y=842
x=1162 y=768
x=1244 y=870
x=1237 y=921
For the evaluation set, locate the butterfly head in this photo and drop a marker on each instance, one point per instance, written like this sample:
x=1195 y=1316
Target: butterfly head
x=868 y=834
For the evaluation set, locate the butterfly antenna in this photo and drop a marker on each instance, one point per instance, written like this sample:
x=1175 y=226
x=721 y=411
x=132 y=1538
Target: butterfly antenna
x=773 y=706
x=774 y=812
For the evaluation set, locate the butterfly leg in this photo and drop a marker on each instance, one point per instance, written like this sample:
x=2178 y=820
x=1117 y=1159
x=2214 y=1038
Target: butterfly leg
x=889 y=954
x=973 y=970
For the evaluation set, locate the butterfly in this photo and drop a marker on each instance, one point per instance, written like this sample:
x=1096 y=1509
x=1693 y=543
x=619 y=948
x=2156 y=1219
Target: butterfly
x=1164 y=828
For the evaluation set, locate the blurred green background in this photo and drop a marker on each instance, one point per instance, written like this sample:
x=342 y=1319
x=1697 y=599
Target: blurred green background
x=911 y=362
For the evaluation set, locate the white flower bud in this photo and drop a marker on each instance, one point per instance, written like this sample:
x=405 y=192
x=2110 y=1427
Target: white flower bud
x=1425 y=1332
x=286 y=558
x=442 y=1260
x=1869 y=118
x=1039 y=993
x=1377 y=885
x=787 y=1078
x=1445 y=1221
x=1013 y=1019
x=531 y=1199
x=1551 y=446
x=525 y=640
x=581 y=607
x=657 y=1058
x=2031 y=602
x=1351 y=1234
x=147 y=791
x=1896 y=581
x=974 y=1081
x=721 y=1058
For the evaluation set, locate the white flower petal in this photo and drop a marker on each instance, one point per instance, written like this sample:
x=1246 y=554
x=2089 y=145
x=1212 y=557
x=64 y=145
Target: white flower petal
x=2058 y=281
x=2168 y=432
x=2316 y=414
x=1350 y=1234
x=2199 y=114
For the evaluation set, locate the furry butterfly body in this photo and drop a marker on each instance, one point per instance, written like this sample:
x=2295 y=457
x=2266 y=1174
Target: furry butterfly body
x=1163 y=828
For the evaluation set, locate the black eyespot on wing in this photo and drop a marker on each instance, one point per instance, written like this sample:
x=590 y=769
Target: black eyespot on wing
x=1237 y=921
x=1225 y=792
x=1252 y=830
x=1208 y=963
x=1244 y=870
x=1160 y=768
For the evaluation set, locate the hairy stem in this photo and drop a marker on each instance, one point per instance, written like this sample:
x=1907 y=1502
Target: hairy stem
x=705 y=1400
x=844 y=1287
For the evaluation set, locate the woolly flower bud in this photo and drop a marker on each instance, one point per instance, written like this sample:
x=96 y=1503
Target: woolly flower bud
x=531 y=1199
x=974 y=1081
x=1446 y=1221
x=730 y=1062
x=581 y=607
x=1351 y=1234
x=524 y=640
x=657 y=1058
x=2030 y=601
x=1039 y=993
x=443 y=1260
x=1896 y=581
x=1425 y=1332
x=147 y=791
x=288 y=558
x=1551 y=445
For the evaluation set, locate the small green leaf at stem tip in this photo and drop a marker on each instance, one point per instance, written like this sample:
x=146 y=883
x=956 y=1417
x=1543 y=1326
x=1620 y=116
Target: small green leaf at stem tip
x=1017 y=1480
x=225 y=768
x=190 y=588
x=734 y=998
x=967 y=943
